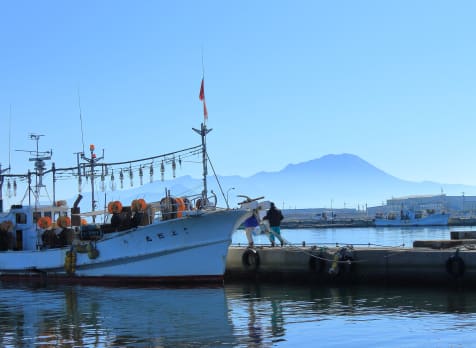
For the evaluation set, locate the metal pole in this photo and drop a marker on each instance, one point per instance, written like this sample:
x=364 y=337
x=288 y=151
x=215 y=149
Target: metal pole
x=1 y=189
x=203 y=133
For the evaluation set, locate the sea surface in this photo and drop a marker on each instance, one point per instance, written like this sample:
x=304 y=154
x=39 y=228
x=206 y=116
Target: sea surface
x=246 y=314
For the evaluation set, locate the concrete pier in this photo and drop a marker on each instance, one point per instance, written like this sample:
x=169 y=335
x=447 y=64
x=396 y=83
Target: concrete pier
x=320 y=265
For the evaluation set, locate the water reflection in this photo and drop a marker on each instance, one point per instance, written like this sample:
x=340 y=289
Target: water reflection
x=113 y=317
x=238 y=315
x=275 y=313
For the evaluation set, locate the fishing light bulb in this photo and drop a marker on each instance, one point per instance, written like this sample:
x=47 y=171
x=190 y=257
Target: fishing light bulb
x=112 y=183
x=141 y=174
x=14 y=188
x=131 y=176
x=9 y=189
x=121 y=178
x=151 y=173
x=174 y=166
x=162 y=170
x=103 y=185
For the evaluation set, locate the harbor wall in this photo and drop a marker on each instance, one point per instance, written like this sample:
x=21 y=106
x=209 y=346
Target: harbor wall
x=415 y=266
x=293 y=223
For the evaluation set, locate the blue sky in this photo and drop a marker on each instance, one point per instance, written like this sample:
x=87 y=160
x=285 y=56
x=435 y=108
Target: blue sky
x=285 y=82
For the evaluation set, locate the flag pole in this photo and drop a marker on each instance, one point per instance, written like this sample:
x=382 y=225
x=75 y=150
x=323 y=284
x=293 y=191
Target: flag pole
x=202 y=92
x=203 y=133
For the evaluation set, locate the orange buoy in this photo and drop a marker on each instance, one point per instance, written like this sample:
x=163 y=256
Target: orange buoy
x=134 y=205
x=116 y=207
x=138 y=205
x=180 y=206
x=141 y=204
x=44 y=222
x=109 y=207
x=63 y=221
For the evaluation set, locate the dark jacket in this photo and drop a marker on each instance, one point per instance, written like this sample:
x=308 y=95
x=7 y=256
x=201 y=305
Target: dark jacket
x=274 y=216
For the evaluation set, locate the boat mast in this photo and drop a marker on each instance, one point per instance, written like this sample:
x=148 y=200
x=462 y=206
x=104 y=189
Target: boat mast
x=92 y=161
x=203 y=133
x=1 y=186
x=39 y=159
x=6 y=169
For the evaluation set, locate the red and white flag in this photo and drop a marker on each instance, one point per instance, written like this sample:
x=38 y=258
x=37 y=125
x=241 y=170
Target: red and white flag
x=202 y=90
x=201 y=96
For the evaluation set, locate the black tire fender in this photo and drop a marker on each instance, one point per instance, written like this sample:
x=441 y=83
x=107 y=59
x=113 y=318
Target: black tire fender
x=250 y=259
x=455 y=266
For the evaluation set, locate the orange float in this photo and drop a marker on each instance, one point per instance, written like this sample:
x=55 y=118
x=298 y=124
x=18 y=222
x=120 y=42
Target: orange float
x=114 y=207
x=138 y=205
x=134 y=205
x=180 y=206
x=63 y=221
x=44 y=222
x=141 y=204
x=109 y=207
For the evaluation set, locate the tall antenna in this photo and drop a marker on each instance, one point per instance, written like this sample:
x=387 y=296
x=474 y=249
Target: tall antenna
x=81 y=119
x=203 y=66
x=39 y=157
x=9 y=136
x=9 y=151
x=93 y=162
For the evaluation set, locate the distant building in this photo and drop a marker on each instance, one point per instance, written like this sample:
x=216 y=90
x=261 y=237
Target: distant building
x=454 y=205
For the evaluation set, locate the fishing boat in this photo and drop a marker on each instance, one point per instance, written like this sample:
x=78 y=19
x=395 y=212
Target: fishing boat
x=412 y=218
x=176 y=239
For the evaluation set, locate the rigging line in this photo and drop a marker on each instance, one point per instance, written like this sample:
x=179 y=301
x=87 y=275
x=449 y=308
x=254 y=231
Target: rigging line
x=15 y=175
x=131 y=161
x=9 y=137
x=203 y=66
x=153 y=157
x=216 y=177
x=81 y=119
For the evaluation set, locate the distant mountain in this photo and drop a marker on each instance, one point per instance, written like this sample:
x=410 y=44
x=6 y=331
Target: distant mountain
x=340 y=180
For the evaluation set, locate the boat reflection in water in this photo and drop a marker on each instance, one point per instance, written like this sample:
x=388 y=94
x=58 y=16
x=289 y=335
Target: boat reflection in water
x=113 y=317
x=236 y=315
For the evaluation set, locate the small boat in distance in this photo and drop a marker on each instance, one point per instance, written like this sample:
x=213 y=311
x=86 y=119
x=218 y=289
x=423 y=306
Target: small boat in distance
x=177 y=239
x=412 y=218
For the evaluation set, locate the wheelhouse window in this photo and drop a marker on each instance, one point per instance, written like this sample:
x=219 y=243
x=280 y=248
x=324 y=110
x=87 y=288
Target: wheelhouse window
x=36 y=216
x=20 y=218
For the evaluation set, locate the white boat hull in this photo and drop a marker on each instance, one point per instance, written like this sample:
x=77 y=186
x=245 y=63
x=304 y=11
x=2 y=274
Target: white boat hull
x=184 y=249
x=431 y=220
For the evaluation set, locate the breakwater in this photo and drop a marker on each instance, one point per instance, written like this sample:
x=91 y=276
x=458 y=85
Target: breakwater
x=455 y=266
x=293 y=223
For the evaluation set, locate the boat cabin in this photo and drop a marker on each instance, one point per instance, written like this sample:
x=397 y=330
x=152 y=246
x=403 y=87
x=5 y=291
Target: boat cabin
x=19 y=230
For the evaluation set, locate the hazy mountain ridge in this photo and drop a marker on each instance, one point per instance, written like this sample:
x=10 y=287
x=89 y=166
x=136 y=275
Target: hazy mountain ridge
x=339 y=180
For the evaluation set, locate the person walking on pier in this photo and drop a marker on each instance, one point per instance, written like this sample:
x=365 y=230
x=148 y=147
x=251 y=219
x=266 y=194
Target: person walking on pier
x=274 y=217
x=250 y=224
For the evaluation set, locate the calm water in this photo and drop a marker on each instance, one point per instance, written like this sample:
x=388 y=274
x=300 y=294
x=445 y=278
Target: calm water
x=244 y=315
x=361 y=236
